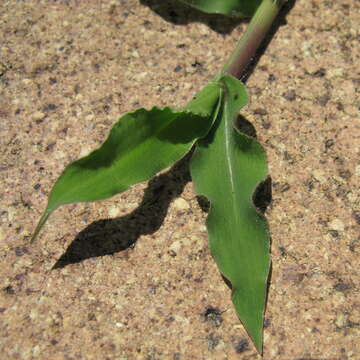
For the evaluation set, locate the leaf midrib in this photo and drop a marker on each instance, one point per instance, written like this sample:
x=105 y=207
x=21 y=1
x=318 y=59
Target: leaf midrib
x=230 y=155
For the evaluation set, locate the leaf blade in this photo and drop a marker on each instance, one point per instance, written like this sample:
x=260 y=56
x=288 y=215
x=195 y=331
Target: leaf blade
x=226 y=168
x=233 y=8
x=139 y=145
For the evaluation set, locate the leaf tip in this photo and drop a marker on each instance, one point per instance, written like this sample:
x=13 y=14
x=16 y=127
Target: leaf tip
x=39 y=226
x=258 y=342
x=253 y=321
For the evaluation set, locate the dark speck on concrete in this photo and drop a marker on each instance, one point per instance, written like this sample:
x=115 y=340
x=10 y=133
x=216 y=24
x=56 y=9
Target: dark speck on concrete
x=356 y=216
x=241 y=346
x=49 y=107
x=260 y=111
x=284 y=187
x=323 y=99
x=271 y=78
x=213 y=315
x=96 y=67
x=267 y=323
x=309 y=184
x=320 y=73
x=334 y=233
x=197 y=64
x=213 y=341
x=282 y=251
x=20 y=251
x=266 y=124
x=345 y=174
x=288 y=157
x=50 y=146
x=342 y=286
x=353 y=245
x=289 y=95
x=329 y=143
x=91 y=317
x=340 y=106
x=9 y=290
x=172 y=253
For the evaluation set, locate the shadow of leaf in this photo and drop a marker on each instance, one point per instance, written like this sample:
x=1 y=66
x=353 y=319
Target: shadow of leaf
x=110 y=236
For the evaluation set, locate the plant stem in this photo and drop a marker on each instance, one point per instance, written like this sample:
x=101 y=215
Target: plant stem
x=257 y=29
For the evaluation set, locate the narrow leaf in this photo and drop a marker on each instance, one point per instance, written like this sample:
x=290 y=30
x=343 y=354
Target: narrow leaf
x=139 y=145
x=227 y=167
x=233 y=8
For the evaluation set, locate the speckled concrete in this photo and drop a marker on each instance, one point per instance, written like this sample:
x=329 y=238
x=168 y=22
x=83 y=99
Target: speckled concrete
x=144 y=286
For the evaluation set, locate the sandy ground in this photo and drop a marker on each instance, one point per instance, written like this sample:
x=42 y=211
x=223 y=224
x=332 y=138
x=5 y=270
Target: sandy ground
x=131 y=277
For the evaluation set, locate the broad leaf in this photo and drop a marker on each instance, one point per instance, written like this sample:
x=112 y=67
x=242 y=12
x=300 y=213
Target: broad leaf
x=139 y=145
x=233 y=8
x=227 y=167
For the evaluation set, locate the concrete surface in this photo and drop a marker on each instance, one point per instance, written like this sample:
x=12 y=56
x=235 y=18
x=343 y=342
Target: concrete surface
x=143 y=285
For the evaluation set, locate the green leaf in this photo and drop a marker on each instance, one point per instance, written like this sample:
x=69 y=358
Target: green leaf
x=227 y=167
x=233 y=8
x=139 y=145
